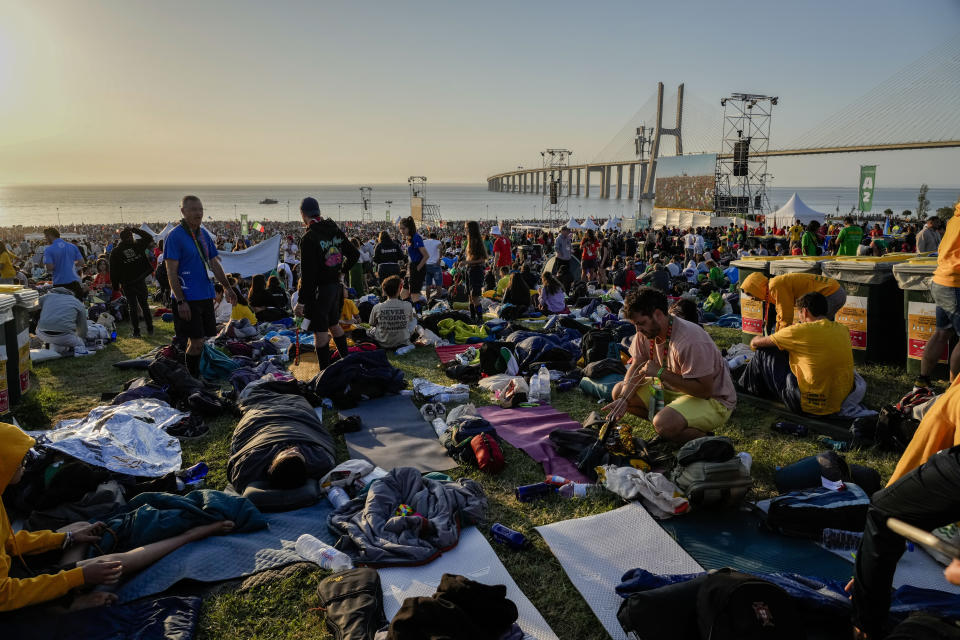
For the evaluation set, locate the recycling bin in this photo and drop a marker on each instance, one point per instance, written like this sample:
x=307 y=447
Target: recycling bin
x=17 y=340
x=798 y=264
x=920 y=312
x=751 y=309
x=7 y=303
x=877 y=328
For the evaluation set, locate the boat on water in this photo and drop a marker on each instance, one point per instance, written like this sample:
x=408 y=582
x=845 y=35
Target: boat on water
x=268 y=201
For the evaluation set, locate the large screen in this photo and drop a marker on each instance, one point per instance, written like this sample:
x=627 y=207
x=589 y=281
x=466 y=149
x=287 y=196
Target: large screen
x=686 y=182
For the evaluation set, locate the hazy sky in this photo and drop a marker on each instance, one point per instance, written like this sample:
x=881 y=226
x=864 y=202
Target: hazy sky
x=168 y=91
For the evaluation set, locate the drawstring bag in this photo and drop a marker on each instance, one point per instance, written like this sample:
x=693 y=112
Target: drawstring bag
x=214 y=364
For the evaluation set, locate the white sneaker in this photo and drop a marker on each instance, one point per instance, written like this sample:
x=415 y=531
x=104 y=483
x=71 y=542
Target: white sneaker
x=428 y=412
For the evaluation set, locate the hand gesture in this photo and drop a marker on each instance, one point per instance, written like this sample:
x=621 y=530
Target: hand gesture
x=617 y=409
x=90 y=533
x=102 y=572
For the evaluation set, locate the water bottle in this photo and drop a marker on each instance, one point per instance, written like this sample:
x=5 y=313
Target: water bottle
x=455 y=398
x=836 y=445
x=577 y=490
x=405 y=349
x=556 y=481
x=506 y=535
x=194 y=474
x=534 y=394
x=746 y=460
x=439 y=426
x=113 y=336
x=337 y=496
x=840 y=539
x=544 y=376
x=790 y=428
x=737 y=362
x=322 y=554
x=531 y=492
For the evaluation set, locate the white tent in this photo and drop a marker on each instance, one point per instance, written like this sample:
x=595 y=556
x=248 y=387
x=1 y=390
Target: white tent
x=612 y=223
x=794 y=211
x=572 y=224
x=589 y=224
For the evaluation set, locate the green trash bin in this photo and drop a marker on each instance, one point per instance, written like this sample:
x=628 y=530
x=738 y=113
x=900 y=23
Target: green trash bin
x=17 y=342
x=920 y=312
x=7 y=303
x=877 y=328
x=751 y=309
x=798 y=264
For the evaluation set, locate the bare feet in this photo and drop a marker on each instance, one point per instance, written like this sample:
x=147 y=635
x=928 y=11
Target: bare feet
x=213 y=529
x=92 y=599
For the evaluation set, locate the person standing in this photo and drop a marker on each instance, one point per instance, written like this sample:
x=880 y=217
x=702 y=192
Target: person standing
x=501 y=249
x=564 y=248
x=848 y=240
x=808 y=243
x=434 y=273
x=129 y=268
x=189 y=253
x=945 y=290
x=7 y=272
x=417 y=265
x=475 y=259
x=325 y=255
x=61 y=259
x=929 y=238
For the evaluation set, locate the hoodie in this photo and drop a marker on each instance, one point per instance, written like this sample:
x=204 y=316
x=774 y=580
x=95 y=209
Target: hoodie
x=61 y=311
x=14 y=593
x=783 y=291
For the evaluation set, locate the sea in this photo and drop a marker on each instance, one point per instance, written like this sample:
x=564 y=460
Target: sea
x=68 y=205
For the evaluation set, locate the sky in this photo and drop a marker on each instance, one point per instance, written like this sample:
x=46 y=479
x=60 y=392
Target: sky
x=136 y=92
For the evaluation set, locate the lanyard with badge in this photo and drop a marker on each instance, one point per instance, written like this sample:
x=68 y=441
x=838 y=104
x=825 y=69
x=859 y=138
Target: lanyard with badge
x=201 y=247
x=657 y=397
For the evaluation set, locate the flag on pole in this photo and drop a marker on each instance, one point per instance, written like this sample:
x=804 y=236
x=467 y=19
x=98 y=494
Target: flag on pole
x=258 y=227
x=886 y=227
x=868 y=177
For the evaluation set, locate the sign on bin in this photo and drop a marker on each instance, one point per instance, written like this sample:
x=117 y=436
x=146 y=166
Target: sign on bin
x=751 y=311
x=853 y=316
x=23 y=343
x=921 y=323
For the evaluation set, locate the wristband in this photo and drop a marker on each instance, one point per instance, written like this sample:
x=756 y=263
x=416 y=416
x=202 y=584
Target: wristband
x=660 y=373
x=68 y=540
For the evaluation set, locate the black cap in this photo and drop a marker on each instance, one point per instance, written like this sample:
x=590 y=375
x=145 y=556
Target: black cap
x=310 y=206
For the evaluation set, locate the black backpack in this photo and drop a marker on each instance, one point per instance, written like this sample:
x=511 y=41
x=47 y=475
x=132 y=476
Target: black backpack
x=490 y=361
x=736 y=606
x=596 y=344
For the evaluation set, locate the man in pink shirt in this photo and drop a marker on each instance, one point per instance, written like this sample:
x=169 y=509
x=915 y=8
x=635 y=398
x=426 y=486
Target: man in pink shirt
x=698 y=390
x=501 y=249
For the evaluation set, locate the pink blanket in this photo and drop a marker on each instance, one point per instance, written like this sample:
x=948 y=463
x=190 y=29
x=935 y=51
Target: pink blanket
x=448 y=353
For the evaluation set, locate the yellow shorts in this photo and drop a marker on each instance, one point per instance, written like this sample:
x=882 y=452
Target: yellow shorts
x=703 y=414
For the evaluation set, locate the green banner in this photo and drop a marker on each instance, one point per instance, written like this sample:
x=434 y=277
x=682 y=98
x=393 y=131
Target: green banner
x=244 y=229
x=868 y=176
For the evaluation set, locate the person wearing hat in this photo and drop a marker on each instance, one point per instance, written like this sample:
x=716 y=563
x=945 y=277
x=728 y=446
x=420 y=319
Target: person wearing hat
x=783 y=291
x=325 y=255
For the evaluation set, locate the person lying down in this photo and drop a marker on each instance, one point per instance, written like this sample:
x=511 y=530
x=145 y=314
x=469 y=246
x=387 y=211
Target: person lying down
x=52 y=567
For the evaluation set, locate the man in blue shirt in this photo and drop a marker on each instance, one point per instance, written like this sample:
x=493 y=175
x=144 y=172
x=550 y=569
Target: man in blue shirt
x=188 y=253
x=60 y=258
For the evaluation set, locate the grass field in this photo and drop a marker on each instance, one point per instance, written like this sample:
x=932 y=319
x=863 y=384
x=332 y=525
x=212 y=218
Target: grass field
x=71 y=387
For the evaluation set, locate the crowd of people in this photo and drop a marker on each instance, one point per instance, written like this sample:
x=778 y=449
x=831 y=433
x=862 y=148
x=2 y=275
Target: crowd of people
x=325 y=271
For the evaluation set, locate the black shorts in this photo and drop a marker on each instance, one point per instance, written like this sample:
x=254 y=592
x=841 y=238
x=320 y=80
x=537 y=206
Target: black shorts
x=415 y=278
x=387 y=269
x=325 y=311
x=202 y=322
x=475 y=280
x=589 y=265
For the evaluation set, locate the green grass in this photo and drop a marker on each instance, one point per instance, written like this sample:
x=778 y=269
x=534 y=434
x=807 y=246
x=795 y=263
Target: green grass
x=71 y=387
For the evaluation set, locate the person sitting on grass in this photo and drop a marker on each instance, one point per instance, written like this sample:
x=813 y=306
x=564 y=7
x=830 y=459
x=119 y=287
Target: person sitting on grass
x=517 y=294
x=503 y=282
x=807 y=366
x=552 y=298
x=349 y=313
x=783 y=291
x=392 y=321
x=221 y=308
x=699 y=395
x=22 y=585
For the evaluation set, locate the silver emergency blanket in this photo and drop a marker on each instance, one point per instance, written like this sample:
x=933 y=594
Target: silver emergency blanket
x=128 y=438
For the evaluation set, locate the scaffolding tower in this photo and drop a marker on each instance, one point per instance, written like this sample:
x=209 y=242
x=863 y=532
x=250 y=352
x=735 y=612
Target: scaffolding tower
x=556 y=163
x=424 y=214
x=366 y=211
x=741 y=188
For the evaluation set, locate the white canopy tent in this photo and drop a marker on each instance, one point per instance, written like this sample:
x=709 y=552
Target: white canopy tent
x=794 y=211
x=589 y=224
x=572 y=224
x=612 y=223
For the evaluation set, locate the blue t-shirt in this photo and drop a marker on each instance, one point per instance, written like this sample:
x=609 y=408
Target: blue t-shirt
x=191 y=270
x=416 y=243
x=62 y=255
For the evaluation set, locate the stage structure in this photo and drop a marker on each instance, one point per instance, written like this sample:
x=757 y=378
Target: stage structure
x=741 y=174
x=556 y=163
x=366 y=211
x=423 y=213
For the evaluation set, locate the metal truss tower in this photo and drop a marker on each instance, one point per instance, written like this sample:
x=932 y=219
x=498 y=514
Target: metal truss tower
x=366 y=212
x=742 y=163
x=424 y=214
x=557 y=192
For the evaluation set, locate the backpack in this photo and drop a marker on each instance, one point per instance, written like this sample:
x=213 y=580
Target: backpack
x=595 y=345
x=714 y=302
x=805 y=514
x=493 y=360
x=736 y=606
x=215 y=364
x=352 y=602
x=710 y=474
x=487 y=453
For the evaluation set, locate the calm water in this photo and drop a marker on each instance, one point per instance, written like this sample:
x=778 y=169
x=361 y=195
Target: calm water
x=37 y=205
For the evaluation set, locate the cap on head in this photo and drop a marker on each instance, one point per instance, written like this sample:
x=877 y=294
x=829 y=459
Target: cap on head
x=309 y=206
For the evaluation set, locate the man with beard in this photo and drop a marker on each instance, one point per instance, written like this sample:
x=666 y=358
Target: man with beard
x=698 y=391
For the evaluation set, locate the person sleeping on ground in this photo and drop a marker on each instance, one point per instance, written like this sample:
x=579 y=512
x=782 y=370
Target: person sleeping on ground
x=783 y=291
x=52 y=566
x=699 y=395
x=279 y=442
x=807 y=366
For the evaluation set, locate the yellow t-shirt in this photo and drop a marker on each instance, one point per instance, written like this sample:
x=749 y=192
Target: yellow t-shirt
x=822 y=360
x=241 y=311
x=948 y=253
x=347 y=312
x=939 y=430
x=796 y=231
x=6 y=266
x=784 y=291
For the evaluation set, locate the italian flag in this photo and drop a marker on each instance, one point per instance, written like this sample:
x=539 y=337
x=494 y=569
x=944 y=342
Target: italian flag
x=258 y=227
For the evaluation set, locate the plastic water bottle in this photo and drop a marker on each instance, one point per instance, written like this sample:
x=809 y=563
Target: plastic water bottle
x=840 y=539
x=195 y=474
x=556 y=481
x=737 y=362
x=544 y=376
x=322 y=554
x=405 y=349
x=531 y=492
x=506 y=535
x=790 y=428
x=534 y=394
x=836 y=445
x=577 y=490
x=337 y=496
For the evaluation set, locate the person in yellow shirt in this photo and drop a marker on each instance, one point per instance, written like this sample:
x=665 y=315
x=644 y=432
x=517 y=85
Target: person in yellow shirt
x=945 y=290
x=939 y=430
x=349 y=313
x=807 y=366
x=783 y=291
x=7 y=271
x=22 y=585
